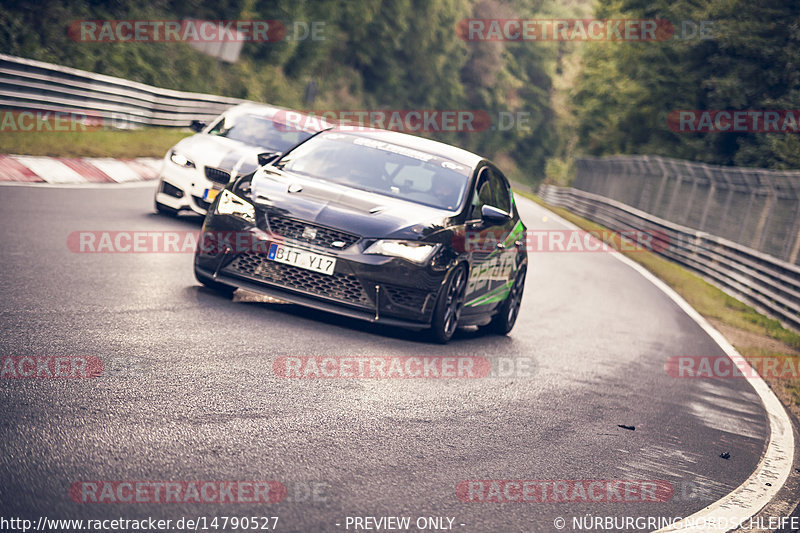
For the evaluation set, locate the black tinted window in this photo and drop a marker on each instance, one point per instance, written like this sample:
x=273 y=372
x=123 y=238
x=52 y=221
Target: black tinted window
x=380 y=167
x=500 y=193
x=491 y=189
x=482 y=195
x=259 y=131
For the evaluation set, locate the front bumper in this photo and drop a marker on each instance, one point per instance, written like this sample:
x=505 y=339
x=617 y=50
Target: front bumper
x=369 y=287
x=184 y=188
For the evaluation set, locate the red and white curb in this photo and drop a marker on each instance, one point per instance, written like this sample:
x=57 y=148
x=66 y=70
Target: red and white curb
x=60 y=170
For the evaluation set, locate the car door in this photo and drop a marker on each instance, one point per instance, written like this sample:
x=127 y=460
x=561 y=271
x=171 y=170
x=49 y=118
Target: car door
x=501 y=264
x=486 y=241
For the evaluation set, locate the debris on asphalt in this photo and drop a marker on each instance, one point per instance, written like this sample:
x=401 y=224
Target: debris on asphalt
x=623 y=426
x=725 y=455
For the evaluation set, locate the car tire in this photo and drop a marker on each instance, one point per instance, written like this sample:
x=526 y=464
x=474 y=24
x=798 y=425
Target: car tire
x=221 y=288
x=505 y=318
x=166 y=210
x=449 y=305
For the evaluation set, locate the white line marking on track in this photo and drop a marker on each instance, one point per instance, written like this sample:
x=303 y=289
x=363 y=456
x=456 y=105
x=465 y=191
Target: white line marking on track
x=746 y=500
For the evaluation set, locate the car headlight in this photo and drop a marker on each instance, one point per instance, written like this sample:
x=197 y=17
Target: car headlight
x=416 y=252
x=180 y=160
x=230 y=204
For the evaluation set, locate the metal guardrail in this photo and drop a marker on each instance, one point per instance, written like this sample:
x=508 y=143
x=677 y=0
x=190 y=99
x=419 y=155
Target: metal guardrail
x=26 y=84
x=755 y=207
x=769 y=284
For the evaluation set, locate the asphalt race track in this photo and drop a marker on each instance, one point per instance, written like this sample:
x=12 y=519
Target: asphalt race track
x=189 y=393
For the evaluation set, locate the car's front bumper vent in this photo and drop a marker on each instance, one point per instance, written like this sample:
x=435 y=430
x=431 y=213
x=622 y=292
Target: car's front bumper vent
x=343 y=287
x=406 y=297
x=171 y=190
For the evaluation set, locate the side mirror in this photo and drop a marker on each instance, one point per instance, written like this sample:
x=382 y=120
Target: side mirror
x=197 y=125
x=494 y=215
x=267 y=157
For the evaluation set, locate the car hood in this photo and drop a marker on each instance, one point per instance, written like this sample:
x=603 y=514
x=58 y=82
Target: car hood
x=220 y=152
x=367 y=214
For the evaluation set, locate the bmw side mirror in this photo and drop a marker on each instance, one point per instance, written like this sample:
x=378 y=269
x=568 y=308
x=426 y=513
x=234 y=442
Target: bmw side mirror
x=267 y=157
x=494 y=215
x=197 y=125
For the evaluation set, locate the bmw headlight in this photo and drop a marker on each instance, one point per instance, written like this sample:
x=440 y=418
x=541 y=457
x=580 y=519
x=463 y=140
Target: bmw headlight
x=416 y=252
x=230 y=204
x=180 y=160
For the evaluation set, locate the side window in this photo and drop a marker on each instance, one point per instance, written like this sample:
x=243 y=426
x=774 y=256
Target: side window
x=500 y=195
x=483 y=194
x=218 y=128
x=492 y=189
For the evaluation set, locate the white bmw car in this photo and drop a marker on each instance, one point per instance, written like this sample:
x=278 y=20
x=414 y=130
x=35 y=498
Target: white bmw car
x=198 y=167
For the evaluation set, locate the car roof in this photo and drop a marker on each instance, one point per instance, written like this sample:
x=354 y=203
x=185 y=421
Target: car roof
x=421 y=144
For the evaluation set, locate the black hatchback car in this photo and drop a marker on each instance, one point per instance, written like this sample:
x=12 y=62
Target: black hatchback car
x=373 y=224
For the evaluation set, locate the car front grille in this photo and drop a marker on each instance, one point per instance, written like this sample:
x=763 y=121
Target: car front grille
x=310 y=233
x=343 y=287
x=218 y=176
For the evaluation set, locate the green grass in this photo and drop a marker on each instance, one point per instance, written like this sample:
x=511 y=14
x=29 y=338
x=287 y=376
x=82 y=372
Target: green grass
x=707 y=299
x=145 y=142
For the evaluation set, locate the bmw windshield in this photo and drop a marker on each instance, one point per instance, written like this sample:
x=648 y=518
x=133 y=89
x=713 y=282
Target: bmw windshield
x=259 y=131
x=380 y=167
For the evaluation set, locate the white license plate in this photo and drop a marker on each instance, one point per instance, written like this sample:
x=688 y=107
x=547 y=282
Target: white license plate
x=301 y=258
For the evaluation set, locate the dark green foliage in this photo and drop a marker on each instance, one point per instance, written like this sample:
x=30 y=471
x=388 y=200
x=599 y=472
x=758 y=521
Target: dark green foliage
x=750 y=62
x=376 y=54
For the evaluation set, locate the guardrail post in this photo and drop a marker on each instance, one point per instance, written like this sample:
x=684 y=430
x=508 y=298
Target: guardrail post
x=688 y=211
x=656 y=207
x=794 y=255
x=758 y=235
x=751 y=192
x=674 y=197
x=712 y=191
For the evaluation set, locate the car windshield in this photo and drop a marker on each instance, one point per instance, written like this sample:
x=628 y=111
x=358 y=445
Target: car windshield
x=259 y=131
x=381 y=167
